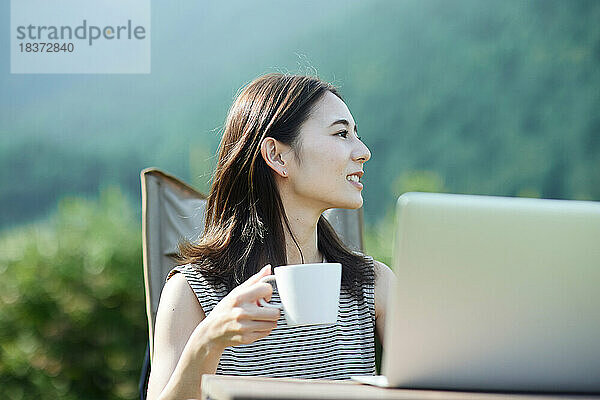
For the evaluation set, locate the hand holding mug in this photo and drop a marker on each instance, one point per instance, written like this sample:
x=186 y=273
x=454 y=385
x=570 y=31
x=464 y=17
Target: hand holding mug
x=238 y=318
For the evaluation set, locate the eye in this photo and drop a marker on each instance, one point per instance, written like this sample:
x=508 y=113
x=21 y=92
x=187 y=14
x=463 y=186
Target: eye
x=344 y=133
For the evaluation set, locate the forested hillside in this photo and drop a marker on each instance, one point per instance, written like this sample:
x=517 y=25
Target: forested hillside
x=495 y=97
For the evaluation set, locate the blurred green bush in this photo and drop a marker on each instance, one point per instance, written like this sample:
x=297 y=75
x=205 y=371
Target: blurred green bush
x=72 y=314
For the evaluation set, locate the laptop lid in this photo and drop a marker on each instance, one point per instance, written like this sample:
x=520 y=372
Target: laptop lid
x=495 y=293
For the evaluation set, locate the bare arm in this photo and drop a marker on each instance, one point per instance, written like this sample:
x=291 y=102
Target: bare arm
x=384 y=278
x=187 y=344
x=181 y=352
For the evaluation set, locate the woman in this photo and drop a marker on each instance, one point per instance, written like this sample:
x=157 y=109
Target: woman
x=289 y=152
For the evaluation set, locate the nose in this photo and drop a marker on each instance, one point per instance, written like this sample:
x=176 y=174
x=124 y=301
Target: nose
x=361 y=153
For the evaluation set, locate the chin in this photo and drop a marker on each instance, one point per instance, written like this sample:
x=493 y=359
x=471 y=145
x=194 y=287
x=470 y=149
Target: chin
x=352 y=205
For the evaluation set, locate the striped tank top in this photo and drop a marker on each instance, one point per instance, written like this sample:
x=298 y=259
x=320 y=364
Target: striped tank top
x=336 y=351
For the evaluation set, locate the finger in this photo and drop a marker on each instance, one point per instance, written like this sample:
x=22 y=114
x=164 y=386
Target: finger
x=249 y=328
x=251 y=294
x=253 y=337
x=265 y=271
x=261 y=326
x=264 y=314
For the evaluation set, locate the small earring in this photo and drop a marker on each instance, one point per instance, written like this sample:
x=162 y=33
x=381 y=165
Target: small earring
x=284 y=173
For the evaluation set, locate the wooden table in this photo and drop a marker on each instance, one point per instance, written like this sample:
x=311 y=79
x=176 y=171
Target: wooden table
x=223 y=387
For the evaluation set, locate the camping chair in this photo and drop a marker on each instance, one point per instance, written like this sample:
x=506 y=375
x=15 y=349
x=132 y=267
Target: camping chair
x=173 y=210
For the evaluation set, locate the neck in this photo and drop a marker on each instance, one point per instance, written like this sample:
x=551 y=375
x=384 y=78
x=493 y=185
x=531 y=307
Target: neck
x=305 y=233
x=303 y=215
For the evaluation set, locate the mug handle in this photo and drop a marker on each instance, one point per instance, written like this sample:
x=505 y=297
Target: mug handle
x=263 y=302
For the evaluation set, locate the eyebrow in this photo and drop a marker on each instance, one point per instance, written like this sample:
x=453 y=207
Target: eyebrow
x=344 y=122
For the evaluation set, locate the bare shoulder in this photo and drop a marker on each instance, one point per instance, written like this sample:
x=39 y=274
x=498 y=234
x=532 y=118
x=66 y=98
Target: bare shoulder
x=177 y=296
x=383 y=271
x=384 y=278
x=179 y=312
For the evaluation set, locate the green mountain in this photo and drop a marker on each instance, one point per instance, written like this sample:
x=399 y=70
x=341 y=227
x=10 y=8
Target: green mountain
x=497 y=97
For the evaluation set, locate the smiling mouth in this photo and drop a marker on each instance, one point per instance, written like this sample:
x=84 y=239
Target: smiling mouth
x=355 y=182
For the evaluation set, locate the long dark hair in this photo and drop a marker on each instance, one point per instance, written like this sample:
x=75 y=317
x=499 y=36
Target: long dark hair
x=244 y=213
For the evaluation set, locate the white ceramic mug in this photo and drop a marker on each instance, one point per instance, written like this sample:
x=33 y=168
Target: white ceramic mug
x=310 y=293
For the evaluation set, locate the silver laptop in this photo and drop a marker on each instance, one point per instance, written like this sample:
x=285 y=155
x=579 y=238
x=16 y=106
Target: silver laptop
x=494 y=293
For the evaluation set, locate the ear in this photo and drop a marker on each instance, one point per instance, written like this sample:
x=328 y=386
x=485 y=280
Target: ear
x=274 y=153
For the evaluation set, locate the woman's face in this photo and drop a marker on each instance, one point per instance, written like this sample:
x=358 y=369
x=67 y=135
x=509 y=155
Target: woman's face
x=330 y=152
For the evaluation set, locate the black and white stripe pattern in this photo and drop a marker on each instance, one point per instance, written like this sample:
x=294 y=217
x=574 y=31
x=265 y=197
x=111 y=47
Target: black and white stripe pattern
x=322 y=351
